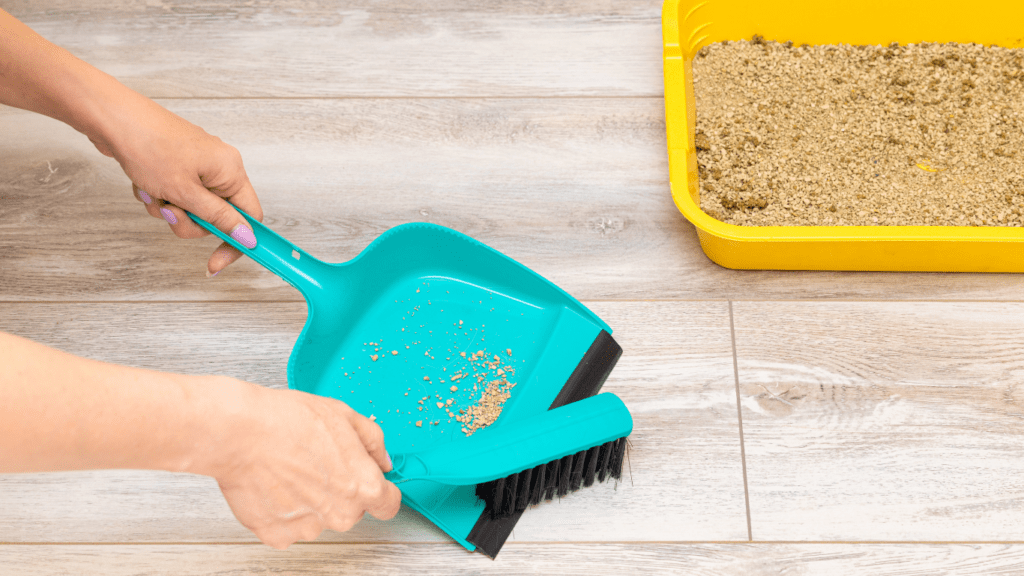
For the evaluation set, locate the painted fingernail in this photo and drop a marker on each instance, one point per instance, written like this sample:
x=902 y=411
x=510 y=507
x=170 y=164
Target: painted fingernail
x=211 y=275
x=244 y=235
x=169 y=216
x=389 y=460
x=145 y=197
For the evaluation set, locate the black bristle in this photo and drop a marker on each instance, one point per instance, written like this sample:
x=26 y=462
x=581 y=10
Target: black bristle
x=551 y=479
x=591 y=467
x=485 y=491
x=509 y=501
x=577 y=471
x=539 y=478
x=525 y=485
x=618 y=451
x=497 y=493
x=603 y=459
x=511 y=495
x=564 y=475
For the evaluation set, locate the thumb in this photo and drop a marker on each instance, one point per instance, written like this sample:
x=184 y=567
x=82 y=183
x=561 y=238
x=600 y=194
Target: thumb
x=372 y=438
x=219 y=212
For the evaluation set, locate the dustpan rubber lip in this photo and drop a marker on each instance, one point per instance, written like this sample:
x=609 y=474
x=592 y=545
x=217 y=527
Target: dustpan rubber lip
x=489 y=534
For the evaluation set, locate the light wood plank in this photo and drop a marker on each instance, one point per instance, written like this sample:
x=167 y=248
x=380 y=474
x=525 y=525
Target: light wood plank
x=883 y=421
x=575 y=189
x=516 y=558
x=684 y=478
x=181 y=48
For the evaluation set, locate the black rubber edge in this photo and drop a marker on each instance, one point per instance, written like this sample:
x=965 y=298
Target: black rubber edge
x=590 y=374
x=489 y=534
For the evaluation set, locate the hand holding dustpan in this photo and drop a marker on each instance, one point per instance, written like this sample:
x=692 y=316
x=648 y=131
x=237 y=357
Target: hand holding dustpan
x=385 y=328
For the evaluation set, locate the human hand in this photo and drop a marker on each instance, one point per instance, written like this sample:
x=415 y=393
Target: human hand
x=178 y=165
x=289 y=463
x=175 y=166
x=305 y=463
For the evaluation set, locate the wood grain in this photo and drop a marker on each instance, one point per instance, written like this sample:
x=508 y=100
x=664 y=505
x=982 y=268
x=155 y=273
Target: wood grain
x=538 y=128
x=883 y=421
x=517 y=558
x=684 y=478
x=181 y=48
x=576 y=189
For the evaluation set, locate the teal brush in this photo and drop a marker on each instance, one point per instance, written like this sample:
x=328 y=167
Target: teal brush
x=520 y=463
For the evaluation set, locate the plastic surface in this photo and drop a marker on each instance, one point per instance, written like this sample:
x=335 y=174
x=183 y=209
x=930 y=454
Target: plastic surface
x=439 y=293
x=688 y=25
x=490 y=454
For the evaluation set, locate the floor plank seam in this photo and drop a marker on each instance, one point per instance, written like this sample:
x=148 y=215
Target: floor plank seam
x=595 y=300
x=739 y=418
x=548 y=97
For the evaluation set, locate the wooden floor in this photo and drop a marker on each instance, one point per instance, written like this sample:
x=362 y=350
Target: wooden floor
x=798 y=422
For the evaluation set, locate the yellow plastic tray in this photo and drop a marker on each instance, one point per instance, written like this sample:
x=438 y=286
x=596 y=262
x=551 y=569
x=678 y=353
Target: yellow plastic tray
x=688 y=25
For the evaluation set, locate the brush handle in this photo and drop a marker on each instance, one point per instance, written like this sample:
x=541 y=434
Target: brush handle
x=275 y=253
x=494 y=453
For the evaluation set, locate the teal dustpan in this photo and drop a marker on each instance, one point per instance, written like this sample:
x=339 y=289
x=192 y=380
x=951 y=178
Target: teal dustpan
x=386 y=332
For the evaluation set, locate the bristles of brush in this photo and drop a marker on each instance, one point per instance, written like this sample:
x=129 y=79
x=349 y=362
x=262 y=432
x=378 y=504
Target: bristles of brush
x=506 y=496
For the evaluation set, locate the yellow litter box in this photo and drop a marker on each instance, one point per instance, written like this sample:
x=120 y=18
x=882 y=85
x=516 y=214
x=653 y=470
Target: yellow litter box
x=688 y=25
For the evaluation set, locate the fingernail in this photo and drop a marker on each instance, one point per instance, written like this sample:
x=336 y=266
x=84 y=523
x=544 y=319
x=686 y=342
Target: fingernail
x=244 y=235
x=145 y=197
x=389 y=460
x=209 y=275
x=169 y=216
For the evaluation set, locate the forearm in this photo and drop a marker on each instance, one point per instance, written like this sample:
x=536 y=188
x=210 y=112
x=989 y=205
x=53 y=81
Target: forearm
x=62 y=412
x=39 y=76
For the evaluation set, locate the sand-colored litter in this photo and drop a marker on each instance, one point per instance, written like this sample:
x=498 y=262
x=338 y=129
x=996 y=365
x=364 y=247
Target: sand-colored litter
x=925 y=134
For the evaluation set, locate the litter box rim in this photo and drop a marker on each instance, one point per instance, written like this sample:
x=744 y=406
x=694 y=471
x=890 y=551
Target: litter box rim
x=864 y=248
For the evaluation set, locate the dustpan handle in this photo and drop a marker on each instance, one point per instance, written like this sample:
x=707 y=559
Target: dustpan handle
x=277 y=254
x=494 y=453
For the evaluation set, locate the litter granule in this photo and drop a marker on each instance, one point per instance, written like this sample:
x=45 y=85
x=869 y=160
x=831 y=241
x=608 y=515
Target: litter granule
x=841 y=135
x=473 y=395
x=487 y=408
x=494 y=388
